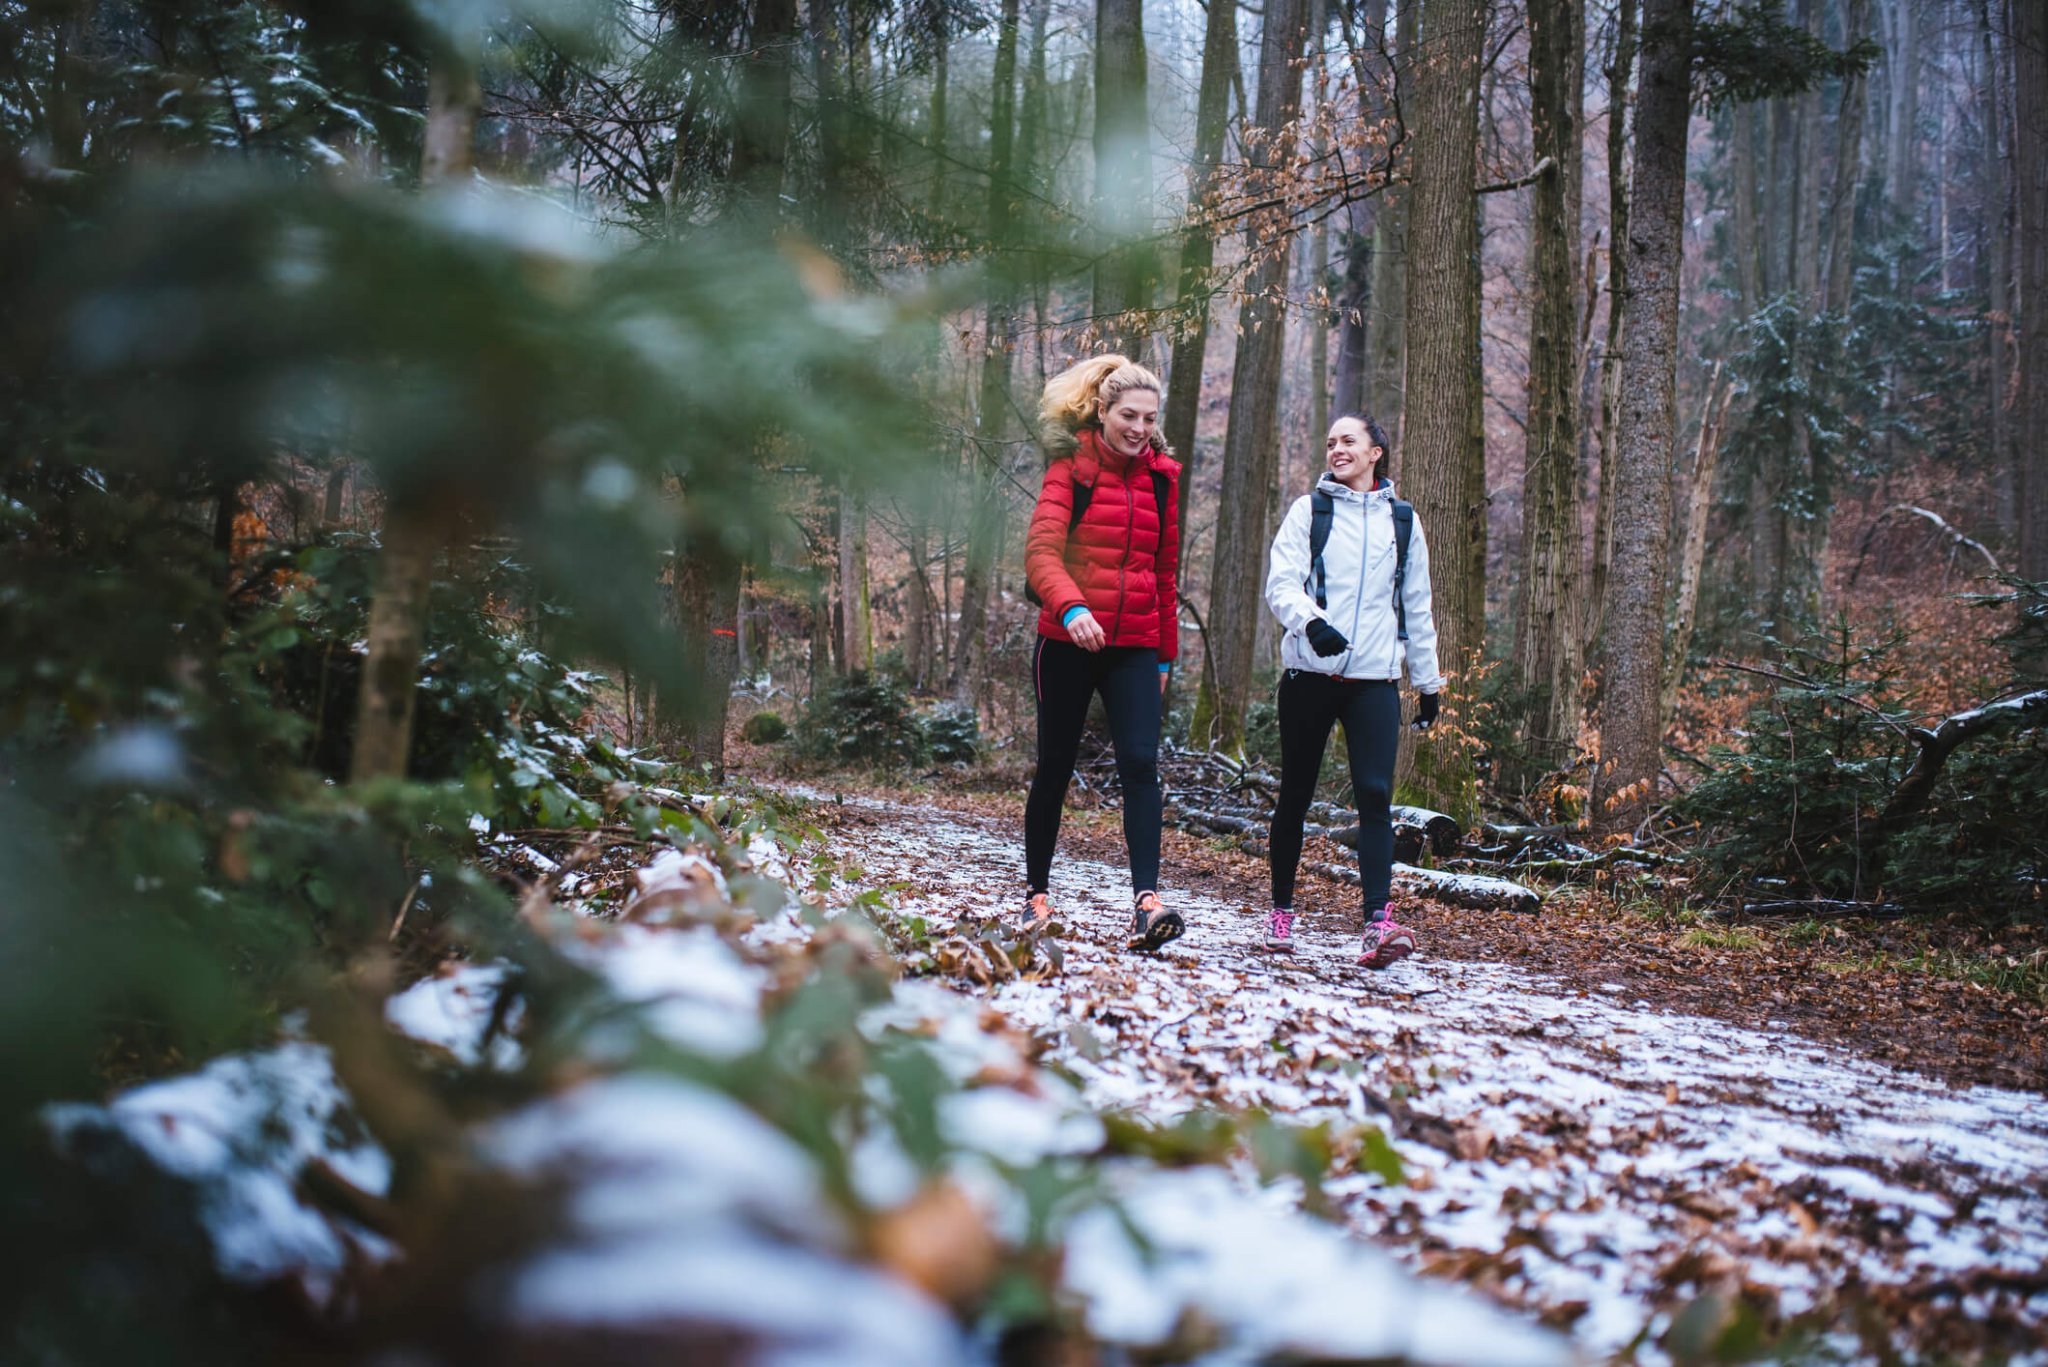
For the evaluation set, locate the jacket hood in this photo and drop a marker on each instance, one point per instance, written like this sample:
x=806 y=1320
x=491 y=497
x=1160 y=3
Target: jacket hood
x=1058 y=440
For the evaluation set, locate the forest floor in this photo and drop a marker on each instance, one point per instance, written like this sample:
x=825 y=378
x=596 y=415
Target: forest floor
x=1601 y=1113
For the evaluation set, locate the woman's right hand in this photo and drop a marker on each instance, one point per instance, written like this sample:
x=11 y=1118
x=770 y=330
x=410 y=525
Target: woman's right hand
x=1086 y=631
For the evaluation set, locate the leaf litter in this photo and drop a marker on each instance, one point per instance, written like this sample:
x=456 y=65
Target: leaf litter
x=1606 y=1165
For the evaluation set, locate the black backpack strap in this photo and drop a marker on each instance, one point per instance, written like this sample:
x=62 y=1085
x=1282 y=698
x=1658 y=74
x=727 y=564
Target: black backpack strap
x=1082 y=493
x=1404 y=527
x=1322 y=509
x=1161 y=491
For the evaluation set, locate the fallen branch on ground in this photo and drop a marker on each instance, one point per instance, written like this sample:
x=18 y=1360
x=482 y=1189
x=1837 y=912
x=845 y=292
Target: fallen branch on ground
x=1938 y=744
x=1823 y=908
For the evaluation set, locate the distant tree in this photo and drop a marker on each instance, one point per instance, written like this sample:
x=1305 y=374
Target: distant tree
x=1249 y=444
x=1198 y=245
x=1631 y=738
x=414 y=525
x=1126 y=270
x=1442 y=458
x=995 y=410
x=2030 y=184
x=1550 y=606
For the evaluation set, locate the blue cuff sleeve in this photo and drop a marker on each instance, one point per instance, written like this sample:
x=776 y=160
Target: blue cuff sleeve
x=1166 y=666
x=1067 y=617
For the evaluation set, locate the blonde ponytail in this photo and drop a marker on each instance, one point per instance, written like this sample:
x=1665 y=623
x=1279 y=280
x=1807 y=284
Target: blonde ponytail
x=1071 y=398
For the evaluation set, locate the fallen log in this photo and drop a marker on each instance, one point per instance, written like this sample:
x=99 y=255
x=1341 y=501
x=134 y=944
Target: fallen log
x=1514 y=837
x=1409 y=841
x=1444 y=834
x=1586 y=860
x=1482 y=892
x=1824 y=908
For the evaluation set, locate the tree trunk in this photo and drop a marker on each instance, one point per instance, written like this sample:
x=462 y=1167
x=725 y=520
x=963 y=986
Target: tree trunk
x=337 y=488
x=1354 y=301
x=1316 y=317
x=2030 y=182
x=1235 y=600
x=1784 y=182
x=393 y=640
x=1902 y=62
x=1998 y=270
x=1742 y=156
x=1848 y=167
x=1442 y=450
x=1805 y=203
x=1387 y=340
x=993 y=408
x=761 y=141
x=706 y=590
x=1123 y=176
x=825 y=213
x=937 y=121
x=1631 y=738
x=856 y=623
x=412 y=534
x=1198 y=247
x=708 y=578
x=917 y=605
x=1318 y=339
x=1354 y=311
x=1693 y=549
x=1617 y=321
x=1547 y=662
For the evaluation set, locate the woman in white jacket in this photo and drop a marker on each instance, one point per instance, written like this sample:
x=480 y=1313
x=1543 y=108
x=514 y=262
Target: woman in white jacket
x=1352 y=621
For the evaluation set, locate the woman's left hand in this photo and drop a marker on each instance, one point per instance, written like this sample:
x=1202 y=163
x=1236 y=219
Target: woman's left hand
x=1425 y=711
x=1163 y=677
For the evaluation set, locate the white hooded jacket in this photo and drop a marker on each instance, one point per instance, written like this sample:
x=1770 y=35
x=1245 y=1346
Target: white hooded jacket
x=1358 y=567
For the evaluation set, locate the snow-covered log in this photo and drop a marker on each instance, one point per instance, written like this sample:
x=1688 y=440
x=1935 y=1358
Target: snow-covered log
x=1480 y=891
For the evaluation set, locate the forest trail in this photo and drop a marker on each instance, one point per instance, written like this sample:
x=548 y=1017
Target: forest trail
x=1573 y=1150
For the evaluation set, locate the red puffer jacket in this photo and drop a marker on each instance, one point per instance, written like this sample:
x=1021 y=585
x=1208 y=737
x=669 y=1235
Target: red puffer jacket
x=1123 y=559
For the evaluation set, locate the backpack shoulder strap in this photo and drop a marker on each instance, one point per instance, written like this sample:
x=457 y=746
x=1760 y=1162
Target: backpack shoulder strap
x=1322 y=509
x=1082 y=493
x=1404 y=528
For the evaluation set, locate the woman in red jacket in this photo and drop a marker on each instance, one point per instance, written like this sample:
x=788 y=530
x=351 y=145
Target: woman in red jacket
x=1102 y=557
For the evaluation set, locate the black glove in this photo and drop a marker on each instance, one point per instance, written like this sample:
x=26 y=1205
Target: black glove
x=1425 y=711
x=1325 y=639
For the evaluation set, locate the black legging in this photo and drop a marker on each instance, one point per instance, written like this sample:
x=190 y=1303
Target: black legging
x=1065 y=677
x=1371 y=712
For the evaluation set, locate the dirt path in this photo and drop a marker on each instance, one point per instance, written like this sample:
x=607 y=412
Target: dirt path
x=1568 y=1145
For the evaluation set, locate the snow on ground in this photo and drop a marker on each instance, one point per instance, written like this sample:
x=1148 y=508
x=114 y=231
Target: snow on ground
x=452 y=1010
x=1589 y=1152
x=240 y=1131
x=671 y=1208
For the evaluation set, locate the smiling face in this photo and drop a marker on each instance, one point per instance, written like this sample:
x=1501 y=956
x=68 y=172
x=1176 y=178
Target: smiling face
x=1353 y=458
x=1129 y=420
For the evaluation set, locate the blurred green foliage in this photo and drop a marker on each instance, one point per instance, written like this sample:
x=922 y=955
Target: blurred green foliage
x=865 y=718
x=197 y=320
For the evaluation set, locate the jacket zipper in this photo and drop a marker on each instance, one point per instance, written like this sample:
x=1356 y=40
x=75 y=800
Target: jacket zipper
x=1130 y=531
x=1364 y=559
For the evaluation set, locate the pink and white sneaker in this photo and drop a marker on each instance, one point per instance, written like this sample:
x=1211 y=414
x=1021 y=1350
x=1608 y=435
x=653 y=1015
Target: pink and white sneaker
x=1386 y=941
x=1280 y=930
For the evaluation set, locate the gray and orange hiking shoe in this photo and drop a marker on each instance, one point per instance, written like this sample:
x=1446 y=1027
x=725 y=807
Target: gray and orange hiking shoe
x=1152 y=925
x=1037 y=914
x=1280 y=930
x=1386 y=940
